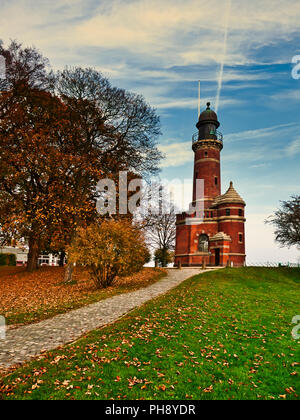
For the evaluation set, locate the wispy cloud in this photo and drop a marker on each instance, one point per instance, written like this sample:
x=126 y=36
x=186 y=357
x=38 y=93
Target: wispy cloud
x=177 y=32
x=177 y=154
x=188 y=103
x=293 y=149
x=279 y=130
x=254 y=147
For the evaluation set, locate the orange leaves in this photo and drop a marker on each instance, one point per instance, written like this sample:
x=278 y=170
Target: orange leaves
x=42 y=293
x=46 y=183
x=209 y=389
x=133 y=381
x=111 y=249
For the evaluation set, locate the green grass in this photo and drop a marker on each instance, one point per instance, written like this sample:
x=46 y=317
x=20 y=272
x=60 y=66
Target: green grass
x=221 y=335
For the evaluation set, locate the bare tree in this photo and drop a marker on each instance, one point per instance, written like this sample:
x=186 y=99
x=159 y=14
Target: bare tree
x=25 y=66
x=159 y=224
x=121 y=124
x=162 y=230
x=286 y=221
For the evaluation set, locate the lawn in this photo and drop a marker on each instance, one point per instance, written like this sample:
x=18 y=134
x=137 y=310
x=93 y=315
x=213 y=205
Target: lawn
x=30 y=297
x=221 y=335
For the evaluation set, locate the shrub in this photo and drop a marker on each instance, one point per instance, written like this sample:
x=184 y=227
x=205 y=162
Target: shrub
x=163 y=256
x=112 y=248
x=8 y=259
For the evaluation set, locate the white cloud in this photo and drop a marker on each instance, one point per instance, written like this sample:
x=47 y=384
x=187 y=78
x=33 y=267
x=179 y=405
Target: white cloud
x=259 y=133
x=259 y=165
x=169 y=41
x=188 y=103
x=177 y=154
x=175 y=32
x=288 y=94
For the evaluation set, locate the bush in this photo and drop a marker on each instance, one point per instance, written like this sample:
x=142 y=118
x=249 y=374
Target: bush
x=112 y=248
x=163 y=256
x=8 y=259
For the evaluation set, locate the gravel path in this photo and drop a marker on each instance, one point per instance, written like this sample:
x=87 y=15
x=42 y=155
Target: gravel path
x=25 y=343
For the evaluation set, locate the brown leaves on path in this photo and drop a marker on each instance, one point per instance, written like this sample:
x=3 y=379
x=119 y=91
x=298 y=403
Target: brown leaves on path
x=28 y=297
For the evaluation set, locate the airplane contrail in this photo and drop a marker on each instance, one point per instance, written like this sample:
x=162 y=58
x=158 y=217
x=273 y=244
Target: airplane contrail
x=227 y=17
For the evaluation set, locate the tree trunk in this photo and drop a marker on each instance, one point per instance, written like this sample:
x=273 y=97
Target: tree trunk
x=33 y=254
x=69 y=273
x=70 y=266
x=62 y=258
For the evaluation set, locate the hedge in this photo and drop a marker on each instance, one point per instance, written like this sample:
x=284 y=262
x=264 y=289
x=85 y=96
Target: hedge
x=8 y=259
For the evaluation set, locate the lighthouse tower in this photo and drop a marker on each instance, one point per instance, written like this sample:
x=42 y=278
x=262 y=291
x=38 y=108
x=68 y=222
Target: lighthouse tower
x=218 y=238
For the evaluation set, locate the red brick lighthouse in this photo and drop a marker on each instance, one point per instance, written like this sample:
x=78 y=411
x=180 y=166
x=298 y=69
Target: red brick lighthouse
x=218 y=236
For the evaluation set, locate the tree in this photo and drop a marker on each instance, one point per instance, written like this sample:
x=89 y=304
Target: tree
x=26 y=122
x=55 y=145
x=162 y=231
x=25 y=66
x=121 y=124
x=161 y=234
x=163 y=256
x=109 y=249
x=122 y=127
x=47 y=187
x=286 y=221
x=157 y=218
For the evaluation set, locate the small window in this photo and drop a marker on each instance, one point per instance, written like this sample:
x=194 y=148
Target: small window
x=227 y=212
x=240 y=212
x=216 y=180
x=240 y=238
x=205 y=154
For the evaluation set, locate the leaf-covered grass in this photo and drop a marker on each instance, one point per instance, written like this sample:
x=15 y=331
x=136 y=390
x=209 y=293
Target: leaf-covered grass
x=221 y=335
x=31 y=297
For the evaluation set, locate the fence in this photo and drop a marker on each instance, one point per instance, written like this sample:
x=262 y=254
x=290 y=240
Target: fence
x=273 y=264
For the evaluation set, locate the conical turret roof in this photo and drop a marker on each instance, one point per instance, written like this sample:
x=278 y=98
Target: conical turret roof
x=231 y=196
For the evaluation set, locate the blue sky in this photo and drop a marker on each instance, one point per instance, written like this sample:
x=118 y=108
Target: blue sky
x=160 y=49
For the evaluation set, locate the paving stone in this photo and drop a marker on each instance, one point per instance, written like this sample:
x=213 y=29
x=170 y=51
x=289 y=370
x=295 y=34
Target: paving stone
x=24 y=343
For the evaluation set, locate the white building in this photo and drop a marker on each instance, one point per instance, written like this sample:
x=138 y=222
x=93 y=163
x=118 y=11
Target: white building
x=21 y=253
x=22 y=256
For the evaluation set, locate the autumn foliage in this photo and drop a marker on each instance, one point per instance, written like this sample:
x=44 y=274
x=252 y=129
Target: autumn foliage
x=59 y=135
x=113 y=248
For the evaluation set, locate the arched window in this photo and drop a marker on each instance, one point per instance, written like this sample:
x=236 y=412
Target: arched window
x=203 y=243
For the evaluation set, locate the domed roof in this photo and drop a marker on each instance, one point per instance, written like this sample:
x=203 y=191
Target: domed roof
x=208 y=116
x=231 y=196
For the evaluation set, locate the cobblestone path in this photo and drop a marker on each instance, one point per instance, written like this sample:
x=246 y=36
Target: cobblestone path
x=27 y=342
